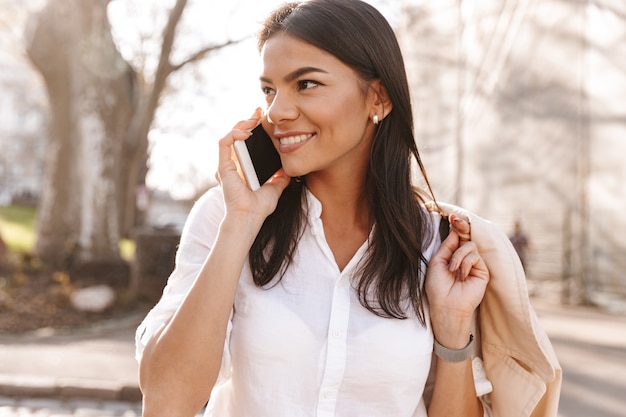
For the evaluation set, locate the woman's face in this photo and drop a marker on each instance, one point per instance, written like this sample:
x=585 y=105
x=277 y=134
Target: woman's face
x=318 y=109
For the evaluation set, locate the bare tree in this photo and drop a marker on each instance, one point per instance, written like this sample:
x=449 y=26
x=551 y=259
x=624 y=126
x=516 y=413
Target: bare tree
x=88 y=90
x=149 y=96
x=101 y=113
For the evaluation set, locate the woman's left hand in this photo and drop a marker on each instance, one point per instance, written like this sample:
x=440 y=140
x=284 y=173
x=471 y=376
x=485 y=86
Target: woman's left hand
x=456 y=280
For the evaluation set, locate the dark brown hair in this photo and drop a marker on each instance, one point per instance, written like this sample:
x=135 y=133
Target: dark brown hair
x=390 y=277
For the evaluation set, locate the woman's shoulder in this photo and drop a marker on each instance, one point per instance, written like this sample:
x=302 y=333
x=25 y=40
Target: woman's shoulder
x=206 y=211
x=212 y=200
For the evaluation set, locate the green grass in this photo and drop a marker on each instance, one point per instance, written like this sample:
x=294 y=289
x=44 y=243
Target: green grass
x=17 y=227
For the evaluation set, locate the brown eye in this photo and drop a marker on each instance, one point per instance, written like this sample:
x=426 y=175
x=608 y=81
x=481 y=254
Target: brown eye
x=267 y=91
x=307 y=84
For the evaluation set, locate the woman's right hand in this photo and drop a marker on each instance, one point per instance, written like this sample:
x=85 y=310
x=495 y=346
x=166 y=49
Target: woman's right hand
x=238 y=197
x=182 y=360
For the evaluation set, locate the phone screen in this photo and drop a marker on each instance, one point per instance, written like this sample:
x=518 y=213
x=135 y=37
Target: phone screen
x=258 y=158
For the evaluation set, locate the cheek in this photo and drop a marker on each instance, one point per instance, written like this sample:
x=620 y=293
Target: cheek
x=342 y=114
x=350 y=121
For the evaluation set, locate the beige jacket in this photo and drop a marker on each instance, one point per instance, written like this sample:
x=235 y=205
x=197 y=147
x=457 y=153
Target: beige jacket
x=518 y=356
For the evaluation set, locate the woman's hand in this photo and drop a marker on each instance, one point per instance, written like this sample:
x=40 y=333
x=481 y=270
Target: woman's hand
x=455 y=285
x=238 y=197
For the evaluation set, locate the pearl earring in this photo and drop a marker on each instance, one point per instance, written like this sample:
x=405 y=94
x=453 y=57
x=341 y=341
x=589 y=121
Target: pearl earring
x=375 y=119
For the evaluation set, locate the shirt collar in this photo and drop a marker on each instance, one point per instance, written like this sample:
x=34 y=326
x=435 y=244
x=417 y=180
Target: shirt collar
x=312 y=205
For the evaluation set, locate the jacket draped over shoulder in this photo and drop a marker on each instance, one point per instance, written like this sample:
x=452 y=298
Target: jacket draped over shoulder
x=519 y=359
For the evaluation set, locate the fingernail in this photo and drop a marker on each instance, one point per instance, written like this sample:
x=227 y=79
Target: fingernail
x=257 y=114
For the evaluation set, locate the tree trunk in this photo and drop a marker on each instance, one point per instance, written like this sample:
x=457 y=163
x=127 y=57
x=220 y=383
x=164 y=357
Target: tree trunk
x=91 y=93
x=57 y=222
x=101 y=114
x=136 y=145
x=134 y=166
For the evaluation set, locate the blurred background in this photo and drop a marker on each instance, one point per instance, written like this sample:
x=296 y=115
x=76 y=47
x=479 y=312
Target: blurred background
x=110 y=111
x=520 y=117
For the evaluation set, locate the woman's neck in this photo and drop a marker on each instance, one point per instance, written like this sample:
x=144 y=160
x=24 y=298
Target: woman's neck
x=345 y=216
x=344 y=201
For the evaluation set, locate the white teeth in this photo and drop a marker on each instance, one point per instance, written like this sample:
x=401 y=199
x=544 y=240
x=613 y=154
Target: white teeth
x=294 y=139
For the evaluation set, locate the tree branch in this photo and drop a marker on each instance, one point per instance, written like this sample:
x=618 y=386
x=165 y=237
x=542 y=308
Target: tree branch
x=165 y=67
x=200 y=54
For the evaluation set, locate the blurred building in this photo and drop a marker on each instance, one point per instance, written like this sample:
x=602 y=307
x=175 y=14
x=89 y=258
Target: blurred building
x=22 y=131
x=520 y=116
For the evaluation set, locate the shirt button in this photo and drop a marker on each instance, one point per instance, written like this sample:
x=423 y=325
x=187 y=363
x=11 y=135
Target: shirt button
x=336 y=334
x=327 y=394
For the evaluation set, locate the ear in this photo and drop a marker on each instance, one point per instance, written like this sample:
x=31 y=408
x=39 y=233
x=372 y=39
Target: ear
x=379 y=98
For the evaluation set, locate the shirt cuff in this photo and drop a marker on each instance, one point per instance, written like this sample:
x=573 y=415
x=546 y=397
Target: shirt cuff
x=483 y=385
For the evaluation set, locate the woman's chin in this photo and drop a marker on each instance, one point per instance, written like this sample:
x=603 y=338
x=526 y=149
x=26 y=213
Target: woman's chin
x=294 y=172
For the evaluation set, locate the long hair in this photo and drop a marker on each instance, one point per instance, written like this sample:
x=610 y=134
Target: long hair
x=390 y=277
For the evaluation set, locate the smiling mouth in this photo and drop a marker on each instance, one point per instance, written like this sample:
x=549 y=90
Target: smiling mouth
x=292 y=140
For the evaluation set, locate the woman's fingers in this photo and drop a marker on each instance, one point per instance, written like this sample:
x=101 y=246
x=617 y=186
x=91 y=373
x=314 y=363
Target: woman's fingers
x=466 y=261
x=460 y=255
x=241 y=131
x=461 y=226
x=251 y=122
x=227 y=163
x=237 y=195
x=467 y=264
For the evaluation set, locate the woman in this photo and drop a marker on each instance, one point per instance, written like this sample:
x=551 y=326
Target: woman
x=308 y=296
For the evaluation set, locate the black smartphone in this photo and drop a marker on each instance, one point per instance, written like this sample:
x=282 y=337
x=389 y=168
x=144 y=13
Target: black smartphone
x=258 y=158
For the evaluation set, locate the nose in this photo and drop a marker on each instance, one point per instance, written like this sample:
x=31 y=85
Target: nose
x=282 y=108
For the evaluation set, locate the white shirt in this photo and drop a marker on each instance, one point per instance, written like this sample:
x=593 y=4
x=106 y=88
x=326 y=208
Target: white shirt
x=306 y=346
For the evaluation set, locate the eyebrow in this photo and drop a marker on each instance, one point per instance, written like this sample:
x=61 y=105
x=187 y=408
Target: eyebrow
x=297 y=74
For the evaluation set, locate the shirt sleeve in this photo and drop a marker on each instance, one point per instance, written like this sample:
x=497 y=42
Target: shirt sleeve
x=483 y=385
x=197 y=238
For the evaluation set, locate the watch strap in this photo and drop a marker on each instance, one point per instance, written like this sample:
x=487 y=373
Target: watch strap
x=454 y=355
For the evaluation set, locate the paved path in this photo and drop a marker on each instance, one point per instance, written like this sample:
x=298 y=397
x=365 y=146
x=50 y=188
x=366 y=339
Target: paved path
x=590 y=344
x=45 y=407
x=591 y=347
x=96 y=363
